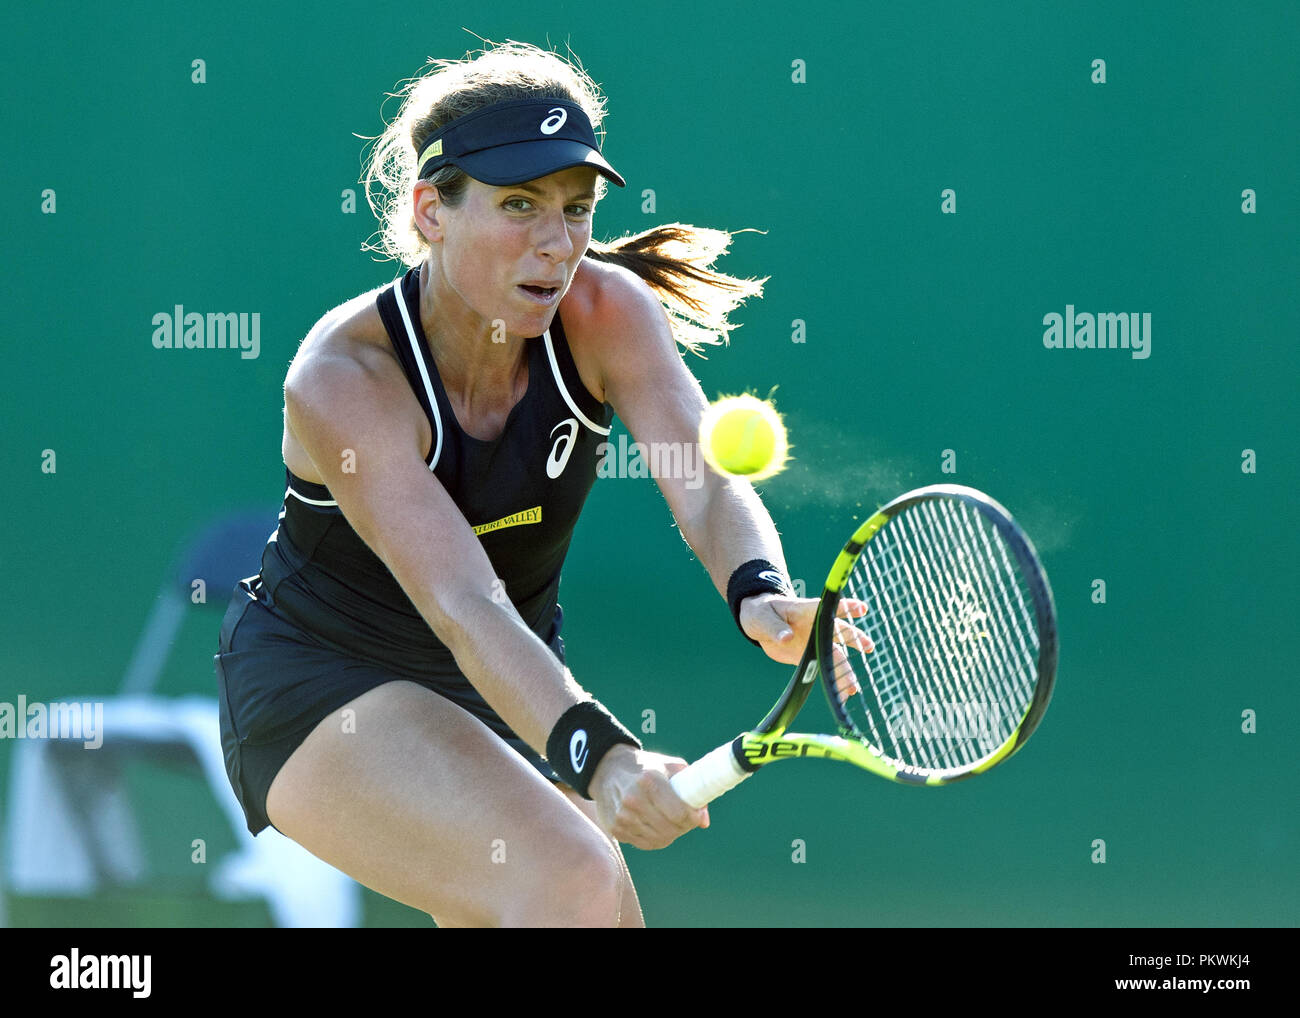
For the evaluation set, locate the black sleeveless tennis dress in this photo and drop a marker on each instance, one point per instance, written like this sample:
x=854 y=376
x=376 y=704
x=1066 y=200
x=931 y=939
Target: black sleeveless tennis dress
x=324 y=621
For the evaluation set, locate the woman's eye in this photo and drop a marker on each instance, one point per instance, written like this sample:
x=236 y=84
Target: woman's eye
x=523 y=205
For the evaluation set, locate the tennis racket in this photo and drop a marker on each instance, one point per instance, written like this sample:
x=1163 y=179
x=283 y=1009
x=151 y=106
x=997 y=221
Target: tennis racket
x=963 y=626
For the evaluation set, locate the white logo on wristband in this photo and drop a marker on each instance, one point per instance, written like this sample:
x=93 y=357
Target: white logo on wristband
x=578 y=750
x=773 y=576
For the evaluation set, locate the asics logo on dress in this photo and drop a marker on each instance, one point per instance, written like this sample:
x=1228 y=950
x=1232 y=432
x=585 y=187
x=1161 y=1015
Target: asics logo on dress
x=578 y=750
x=555 y=121
x=562 y=449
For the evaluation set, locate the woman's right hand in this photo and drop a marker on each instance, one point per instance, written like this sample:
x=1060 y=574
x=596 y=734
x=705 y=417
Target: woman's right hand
x=635 y=802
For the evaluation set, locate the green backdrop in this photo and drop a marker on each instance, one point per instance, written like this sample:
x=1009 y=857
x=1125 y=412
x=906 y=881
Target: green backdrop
x=923 y=334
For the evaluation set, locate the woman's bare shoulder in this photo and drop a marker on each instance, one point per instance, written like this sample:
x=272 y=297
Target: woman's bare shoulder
x=350 y=330
x=606 y=305
x=346 y=368
x=602 y=288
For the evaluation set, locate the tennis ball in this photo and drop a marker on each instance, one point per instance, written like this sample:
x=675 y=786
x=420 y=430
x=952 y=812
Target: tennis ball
x=743 y=436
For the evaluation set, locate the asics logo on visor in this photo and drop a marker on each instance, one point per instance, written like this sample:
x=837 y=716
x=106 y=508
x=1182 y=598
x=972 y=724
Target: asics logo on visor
x=555 y=121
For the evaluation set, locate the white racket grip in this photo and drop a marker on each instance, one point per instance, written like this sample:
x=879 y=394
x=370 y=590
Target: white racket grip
x=712 y=774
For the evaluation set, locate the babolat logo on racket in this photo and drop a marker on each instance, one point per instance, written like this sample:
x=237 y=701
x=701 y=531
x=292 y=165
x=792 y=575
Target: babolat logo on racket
x=809 y=673
x=757 y=752
x=578 y=749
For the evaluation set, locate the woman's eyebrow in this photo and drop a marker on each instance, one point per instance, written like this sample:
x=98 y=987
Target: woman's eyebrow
x=532 y=189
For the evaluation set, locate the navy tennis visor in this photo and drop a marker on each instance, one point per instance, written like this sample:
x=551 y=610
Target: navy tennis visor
x=517 y=140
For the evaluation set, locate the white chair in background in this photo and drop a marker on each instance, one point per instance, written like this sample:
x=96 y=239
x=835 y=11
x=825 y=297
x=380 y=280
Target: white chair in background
x=70 y=827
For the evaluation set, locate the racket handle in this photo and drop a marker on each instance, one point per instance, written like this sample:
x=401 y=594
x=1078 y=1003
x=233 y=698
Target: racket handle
x=712 y=774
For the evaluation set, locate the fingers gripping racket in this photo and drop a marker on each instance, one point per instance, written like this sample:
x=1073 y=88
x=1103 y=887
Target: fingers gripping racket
x=963 y=626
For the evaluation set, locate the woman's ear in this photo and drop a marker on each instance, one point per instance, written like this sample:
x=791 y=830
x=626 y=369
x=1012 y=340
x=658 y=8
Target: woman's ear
x=428 y=209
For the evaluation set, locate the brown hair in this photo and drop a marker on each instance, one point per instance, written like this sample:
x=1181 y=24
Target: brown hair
x=675 y=260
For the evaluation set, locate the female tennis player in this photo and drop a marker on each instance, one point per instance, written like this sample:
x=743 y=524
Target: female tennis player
x=393 y=689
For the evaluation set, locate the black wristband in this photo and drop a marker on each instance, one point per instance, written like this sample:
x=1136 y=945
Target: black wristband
x=580 y=740
x=757 y=576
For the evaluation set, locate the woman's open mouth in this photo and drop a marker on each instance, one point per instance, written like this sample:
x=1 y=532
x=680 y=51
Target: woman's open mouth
x=541 y=294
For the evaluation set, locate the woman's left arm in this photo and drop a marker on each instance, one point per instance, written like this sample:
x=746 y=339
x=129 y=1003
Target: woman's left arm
x=661 y=402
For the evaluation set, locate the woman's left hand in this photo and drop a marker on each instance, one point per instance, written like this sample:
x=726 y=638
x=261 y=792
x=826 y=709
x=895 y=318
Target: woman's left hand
x=782 y=626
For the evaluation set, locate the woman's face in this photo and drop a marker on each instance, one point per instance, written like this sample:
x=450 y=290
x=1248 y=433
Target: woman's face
x=502 y=247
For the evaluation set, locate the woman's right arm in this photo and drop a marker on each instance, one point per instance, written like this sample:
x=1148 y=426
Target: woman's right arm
x=353 y=413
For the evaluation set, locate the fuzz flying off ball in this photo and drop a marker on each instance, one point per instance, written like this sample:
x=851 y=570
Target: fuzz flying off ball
x=743 y=436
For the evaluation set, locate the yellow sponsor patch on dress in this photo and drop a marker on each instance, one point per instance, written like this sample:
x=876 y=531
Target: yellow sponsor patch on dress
x=524 y=516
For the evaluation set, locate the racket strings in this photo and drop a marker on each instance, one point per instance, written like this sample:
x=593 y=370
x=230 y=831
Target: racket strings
x=889 y=724
x=904 y=609
x=977 y=651
x=914 y=598
x=947 y=634
x=1006 y=672
x=892 y=585
x=955 y=661
x=1017 y=666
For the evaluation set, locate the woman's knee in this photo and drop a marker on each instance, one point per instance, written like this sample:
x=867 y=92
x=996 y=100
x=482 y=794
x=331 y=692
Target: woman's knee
x=583 y=884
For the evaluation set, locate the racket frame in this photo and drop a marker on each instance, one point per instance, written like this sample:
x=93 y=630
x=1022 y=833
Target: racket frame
x=769 y=741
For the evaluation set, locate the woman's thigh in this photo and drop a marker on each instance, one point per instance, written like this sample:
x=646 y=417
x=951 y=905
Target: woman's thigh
x=418 y=800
